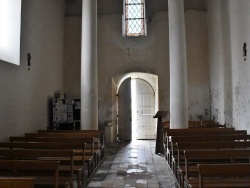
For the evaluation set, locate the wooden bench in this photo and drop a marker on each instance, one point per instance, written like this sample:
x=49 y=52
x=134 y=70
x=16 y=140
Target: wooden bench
x=79 y=160
x=55 y=155
x=195 y=132
x=216 y=136
x=95 y=133
x=100 y=132
x=96 y=136
x=203 y=146
x=211 y=124
x=222 y=176
x=192 y=158
x=45 y=173
x=11 y=182
x=201 y=138
x=194 y=124
x=92 y=148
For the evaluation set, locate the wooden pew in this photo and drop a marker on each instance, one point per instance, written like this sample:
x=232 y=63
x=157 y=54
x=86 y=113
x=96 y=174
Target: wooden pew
x=95 y=133
x=211 y=124
x=166 y=125
x=101 y=132
x=195 y=124
x=93 y=147
x=78 y=159
x=195 y=132
x=44 y=172
x=199 y=132
x=52 y=155
x=92 y=150
x=203 y=145
x=222 y=176
x=99 y=151
x=192 y=158
x=11 y=182
x=202 y=138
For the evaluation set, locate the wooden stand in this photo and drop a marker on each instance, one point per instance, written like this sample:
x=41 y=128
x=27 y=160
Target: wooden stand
x=159 y=134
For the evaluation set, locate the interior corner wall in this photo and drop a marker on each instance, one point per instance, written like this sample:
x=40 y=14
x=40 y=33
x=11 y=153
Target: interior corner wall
x=228 y=30
x=26 y=94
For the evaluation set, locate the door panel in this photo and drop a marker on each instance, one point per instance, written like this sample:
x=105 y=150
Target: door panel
x=124 y=111
x=145 y=98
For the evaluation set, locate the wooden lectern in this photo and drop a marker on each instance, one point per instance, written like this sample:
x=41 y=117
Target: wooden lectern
x=159 y=134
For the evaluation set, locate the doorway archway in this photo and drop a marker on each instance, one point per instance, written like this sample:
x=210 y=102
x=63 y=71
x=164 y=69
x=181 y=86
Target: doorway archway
x=125 y=128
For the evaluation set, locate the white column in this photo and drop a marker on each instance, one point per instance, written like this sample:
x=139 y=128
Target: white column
x=178 y=65
x=89 y=75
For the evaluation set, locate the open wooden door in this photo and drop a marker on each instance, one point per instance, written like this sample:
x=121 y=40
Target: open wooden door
x=145 y=107
x=124 y=111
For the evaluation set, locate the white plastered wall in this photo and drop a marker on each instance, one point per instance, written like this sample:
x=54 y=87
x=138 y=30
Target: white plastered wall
x=227 y=64
x=26 y=95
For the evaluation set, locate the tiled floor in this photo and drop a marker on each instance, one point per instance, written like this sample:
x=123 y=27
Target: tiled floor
x=133 y=164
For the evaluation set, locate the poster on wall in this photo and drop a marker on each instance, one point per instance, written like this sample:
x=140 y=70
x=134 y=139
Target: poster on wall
x=77 y=105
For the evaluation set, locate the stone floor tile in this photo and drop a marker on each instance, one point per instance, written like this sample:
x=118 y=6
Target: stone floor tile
x=106 y=185
x=133 y=165
x=153 y=185
x=141 y=185
x=95 y=184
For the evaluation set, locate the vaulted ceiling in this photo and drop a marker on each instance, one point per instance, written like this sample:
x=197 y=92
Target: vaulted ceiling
x=74 y=7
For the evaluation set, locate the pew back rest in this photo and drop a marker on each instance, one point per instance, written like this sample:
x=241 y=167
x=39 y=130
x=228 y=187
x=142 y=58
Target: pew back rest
x=36 y=153
x=18 y=166
x=54 y=139
x=64 y=135
x=233 y=169
x=199 y=132
x=180 y=143
x=196 y=156
x=184 y=147
x=224 y=171
x=98 y=132
x=203 y=133
x=11 y=182
x=52 y=155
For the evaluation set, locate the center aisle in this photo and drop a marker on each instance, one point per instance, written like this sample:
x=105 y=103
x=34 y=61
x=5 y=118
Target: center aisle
x=133 y=164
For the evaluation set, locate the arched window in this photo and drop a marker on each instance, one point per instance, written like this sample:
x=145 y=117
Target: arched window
x=134 y=18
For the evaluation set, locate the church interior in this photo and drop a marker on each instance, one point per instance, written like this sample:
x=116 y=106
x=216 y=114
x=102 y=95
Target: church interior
x=56 y=42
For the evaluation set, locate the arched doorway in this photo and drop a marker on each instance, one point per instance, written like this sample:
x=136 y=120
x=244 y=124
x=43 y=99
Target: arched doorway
x=137 y=102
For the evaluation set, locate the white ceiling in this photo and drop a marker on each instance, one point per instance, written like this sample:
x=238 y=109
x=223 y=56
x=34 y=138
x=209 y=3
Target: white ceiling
x=74 y=7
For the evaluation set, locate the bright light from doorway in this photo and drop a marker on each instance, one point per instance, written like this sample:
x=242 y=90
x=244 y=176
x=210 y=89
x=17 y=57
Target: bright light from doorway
x=134 y=104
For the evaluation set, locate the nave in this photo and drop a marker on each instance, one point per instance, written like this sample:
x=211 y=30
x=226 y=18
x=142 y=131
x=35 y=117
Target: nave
x=133 y=165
